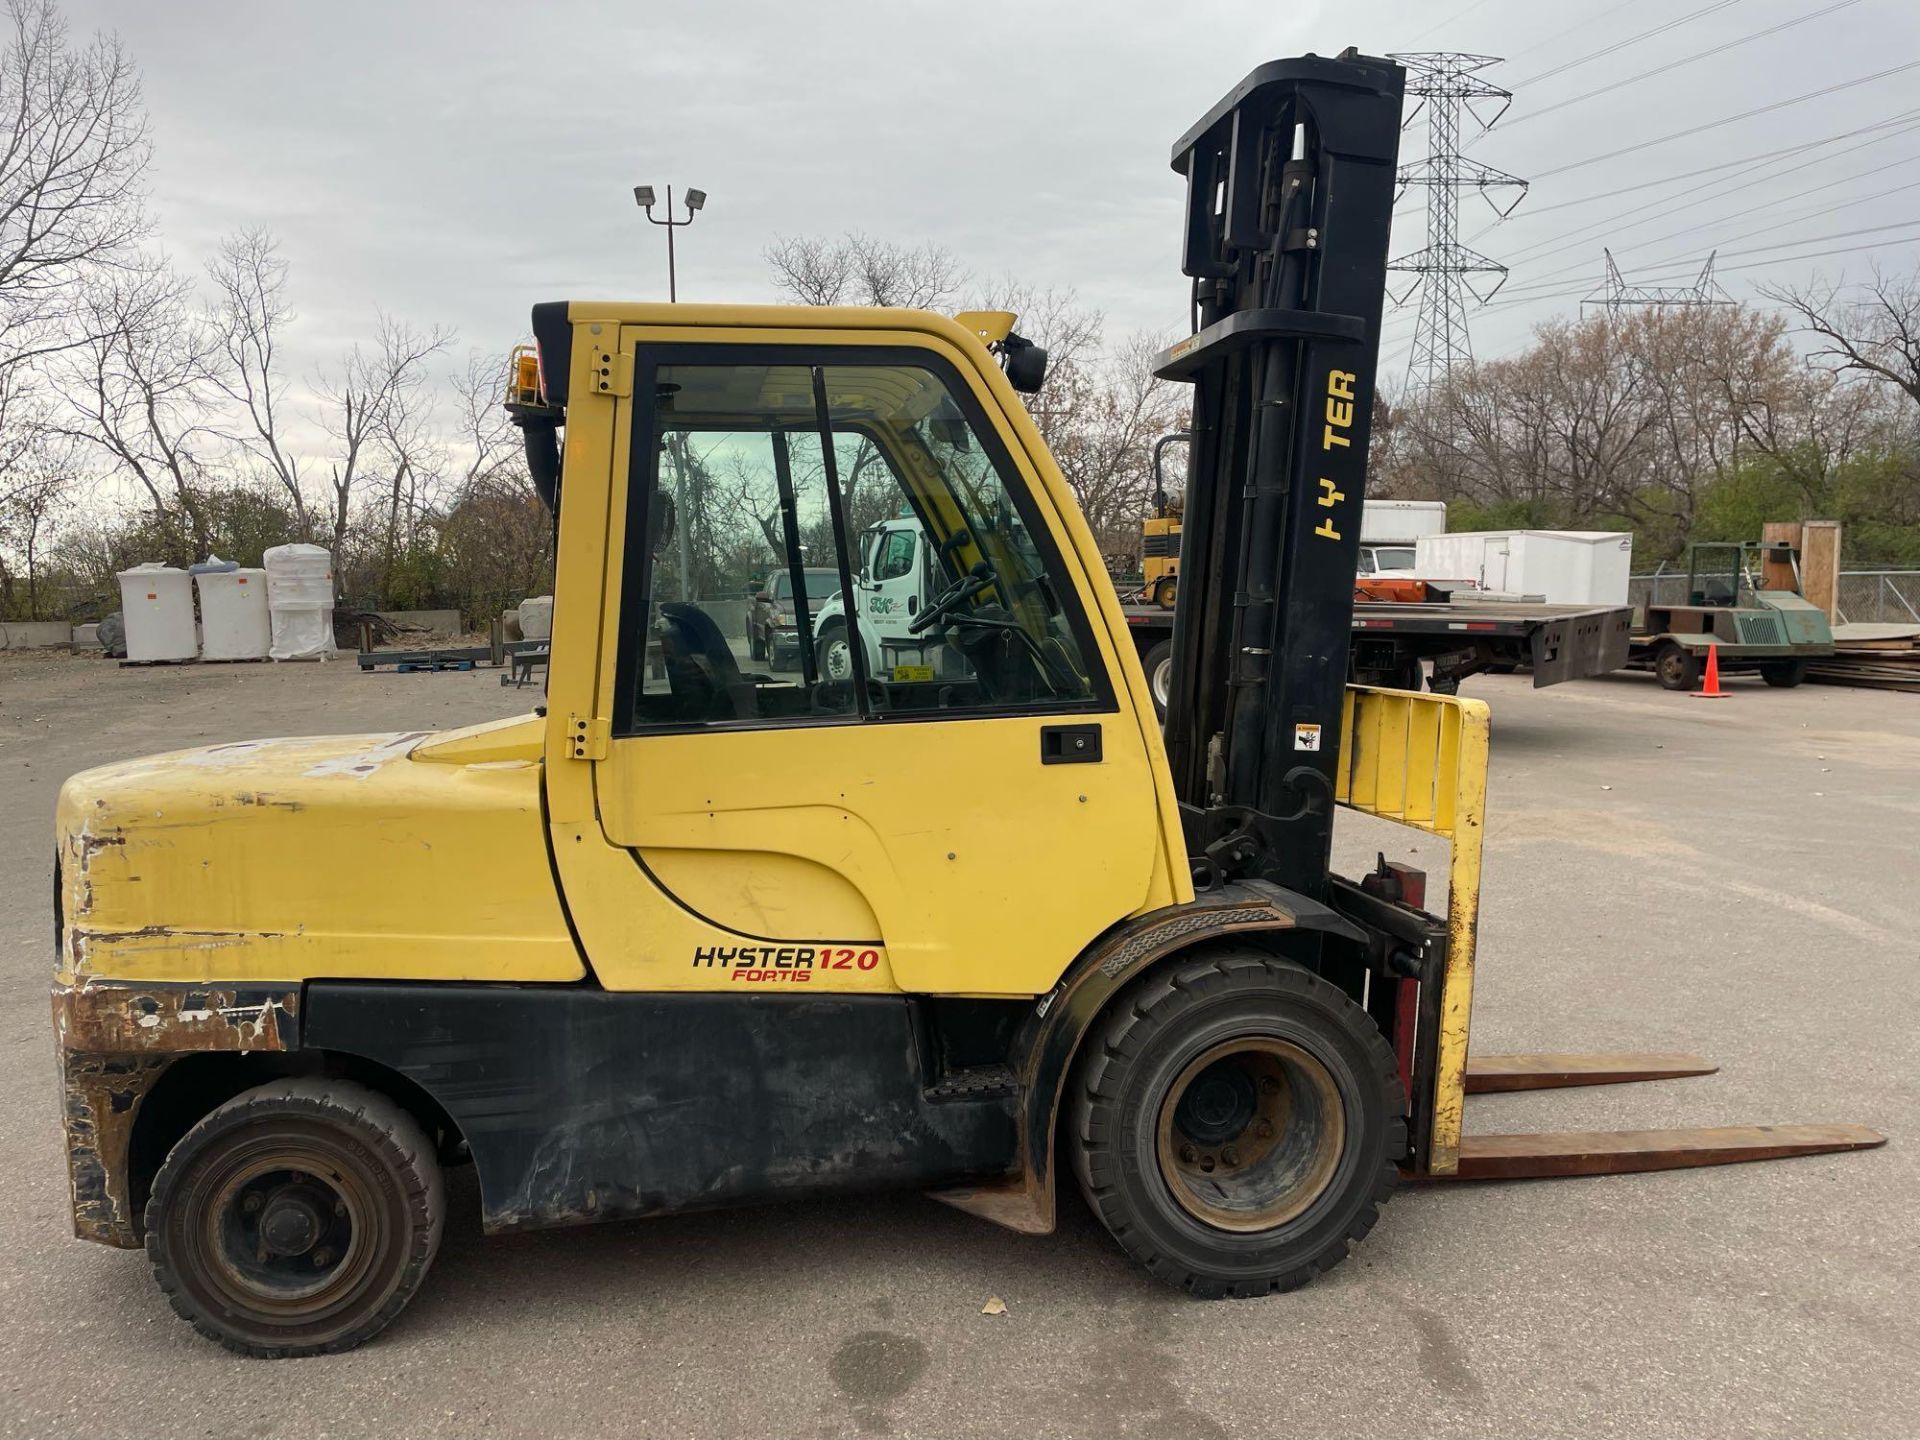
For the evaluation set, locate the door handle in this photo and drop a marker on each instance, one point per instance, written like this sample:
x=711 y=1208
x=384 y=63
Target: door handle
x=913 y=604
x=1069 y=744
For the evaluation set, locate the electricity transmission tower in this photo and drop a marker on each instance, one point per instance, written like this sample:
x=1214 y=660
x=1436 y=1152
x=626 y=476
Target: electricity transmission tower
x=1616 y=295
x=1447 y=83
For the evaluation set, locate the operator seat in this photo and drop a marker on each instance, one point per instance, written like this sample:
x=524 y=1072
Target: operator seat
x=701 y=671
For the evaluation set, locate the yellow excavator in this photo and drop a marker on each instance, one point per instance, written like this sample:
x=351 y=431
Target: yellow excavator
x=953 y=916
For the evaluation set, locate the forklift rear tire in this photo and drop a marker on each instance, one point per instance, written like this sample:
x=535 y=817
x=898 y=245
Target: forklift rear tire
x=1784 y=674
x=1159 y=667
x=296 y=1219
x=1676 y=667
x=1237 y=1124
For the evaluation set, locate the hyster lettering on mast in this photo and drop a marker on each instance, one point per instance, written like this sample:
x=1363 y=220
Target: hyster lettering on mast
x=931 y=917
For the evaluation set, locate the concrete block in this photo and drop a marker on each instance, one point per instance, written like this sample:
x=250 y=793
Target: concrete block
x=34 y=634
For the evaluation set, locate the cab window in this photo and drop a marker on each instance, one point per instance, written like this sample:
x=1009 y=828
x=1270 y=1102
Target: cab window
x=895 y=555
x=906 y=575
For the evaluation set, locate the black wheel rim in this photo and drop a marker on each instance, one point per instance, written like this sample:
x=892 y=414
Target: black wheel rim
x=1251 y=1133
x=285 y=1235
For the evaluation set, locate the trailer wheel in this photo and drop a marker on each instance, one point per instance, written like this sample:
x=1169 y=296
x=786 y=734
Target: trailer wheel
x=1158 y=663
x=1784 y=674
x=296 y=1219
x=1676 y=667
x=1236 y=1124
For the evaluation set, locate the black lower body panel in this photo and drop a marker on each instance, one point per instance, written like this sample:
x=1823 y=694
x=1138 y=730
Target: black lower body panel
x=581 y=1104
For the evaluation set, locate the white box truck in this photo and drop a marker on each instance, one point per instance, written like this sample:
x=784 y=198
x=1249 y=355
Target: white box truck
x=1560 y=567
x=1390 y=528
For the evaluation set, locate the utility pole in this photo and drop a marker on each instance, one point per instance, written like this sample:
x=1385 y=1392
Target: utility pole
x=1447 y=82
x=1615 y=295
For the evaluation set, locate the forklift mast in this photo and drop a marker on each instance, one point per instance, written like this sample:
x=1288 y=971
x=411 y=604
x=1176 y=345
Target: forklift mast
x=1290 y=187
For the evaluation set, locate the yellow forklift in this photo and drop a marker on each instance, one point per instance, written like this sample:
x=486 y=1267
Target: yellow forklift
x=1160 y=533
x=957 y=919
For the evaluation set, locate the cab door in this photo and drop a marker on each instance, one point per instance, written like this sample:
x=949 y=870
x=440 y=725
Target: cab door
x=965 y=832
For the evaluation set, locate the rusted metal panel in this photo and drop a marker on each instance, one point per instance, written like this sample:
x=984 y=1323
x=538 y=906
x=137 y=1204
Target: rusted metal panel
x=100 y=1095
x=99 y=1018
x=1488 y=1074
x=115 y=1042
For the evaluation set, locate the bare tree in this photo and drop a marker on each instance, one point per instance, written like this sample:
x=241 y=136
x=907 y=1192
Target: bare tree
x=71 y=160
x=1872 y=329
x=1099 y=410
x=40 y=473
x=249 y=314
x=406 y=439
x=484 y=431
x=136 y=388
x=857 y=269
x=357 y=406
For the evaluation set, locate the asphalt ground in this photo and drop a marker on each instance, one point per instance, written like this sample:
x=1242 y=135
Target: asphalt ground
x=1736 y=878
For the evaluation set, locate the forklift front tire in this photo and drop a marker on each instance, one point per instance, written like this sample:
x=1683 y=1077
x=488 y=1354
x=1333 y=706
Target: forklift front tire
x=1676 y=667
x=1237 y=1124
x=296 y=1219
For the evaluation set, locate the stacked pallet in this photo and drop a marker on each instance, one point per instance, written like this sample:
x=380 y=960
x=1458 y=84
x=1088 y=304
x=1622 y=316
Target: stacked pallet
x=1878 y=657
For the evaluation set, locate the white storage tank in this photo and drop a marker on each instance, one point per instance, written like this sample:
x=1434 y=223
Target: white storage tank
x=157 y=603
x=536 y=617
x=1562 y=567
x=233 y=614
x=300 y=601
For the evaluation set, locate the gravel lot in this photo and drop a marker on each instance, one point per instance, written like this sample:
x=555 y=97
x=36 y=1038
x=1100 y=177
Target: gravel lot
x=1736 y=879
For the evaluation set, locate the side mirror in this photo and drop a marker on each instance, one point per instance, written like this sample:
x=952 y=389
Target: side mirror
x=764 y=597
x=1025 y=364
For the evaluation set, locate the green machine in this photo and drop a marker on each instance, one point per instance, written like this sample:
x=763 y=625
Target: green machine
x=1773 y=631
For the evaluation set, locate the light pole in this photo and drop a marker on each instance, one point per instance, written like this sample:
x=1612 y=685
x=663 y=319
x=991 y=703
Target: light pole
x=696 y=199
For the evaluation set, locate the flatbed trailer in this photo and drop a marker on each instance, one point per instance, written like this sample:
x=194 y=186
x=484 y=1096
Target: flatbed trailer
x=1459 y=638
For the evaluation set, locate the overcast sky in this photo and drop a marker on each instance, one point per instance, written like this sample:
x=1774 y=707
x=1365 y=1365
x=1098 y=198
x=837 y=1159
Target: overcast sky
x=455 y=162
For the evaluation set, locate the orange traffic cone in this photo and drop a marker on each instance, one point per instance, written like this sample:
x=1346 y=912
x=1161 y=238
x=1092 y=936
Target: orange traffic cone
x=1711 y=690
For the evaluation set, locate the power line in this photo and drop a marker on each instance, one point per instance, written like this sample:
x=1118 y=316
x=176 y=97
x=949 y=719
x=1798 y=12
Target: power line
x=1586 y=24
x=1521 y=292
x=1604 y=50
x=1719 y=269
x=1458 y=15
x=1906 y=118
x=1728 y=120
x=1684 y=60
x=1557 y=249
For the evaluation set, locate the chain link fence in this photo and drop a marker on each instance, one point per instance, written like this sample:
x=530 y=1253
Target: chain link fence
x=1866 y=596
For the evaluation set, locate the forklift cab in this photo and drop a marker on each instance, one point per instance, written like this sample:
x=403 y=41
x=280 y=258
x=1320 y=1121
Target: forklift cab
x=1717 y=570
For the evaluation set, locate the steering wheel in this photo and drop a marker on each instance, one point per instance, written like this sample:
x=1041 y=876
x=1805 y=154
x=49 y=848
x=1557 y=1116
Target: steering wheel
x=954 y=596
